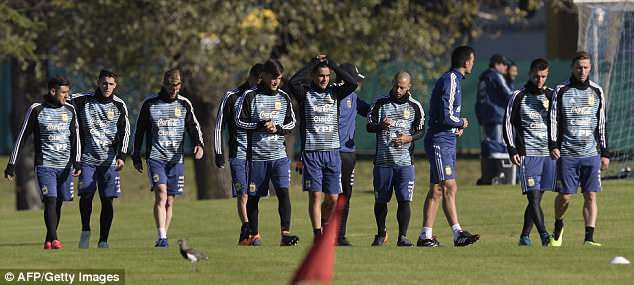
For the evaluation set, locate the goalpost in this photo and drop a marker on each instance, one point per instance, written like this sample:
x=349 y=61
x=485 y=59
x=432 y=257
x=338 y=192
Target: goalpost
x=606 y=31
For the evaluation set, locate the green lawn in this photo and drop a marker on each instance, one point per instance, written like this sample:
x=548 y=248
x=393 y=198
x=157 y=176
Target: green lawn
x=212 y=226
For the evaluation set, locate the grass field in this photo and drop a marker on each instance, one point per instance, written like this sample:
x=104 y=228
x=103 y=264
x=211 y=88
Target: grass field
x=212 y=226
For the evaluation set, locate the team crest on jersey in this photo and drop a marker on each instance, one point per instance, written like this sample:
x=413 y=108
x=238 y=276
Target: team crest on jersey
x=546 y=104
x=406 y=114
x=349 y=102
x=448 y=170
x=110 y=115
x=177 y=112
x=278 y=105
x=44 y=190
x=64 y=117
x=530 y=181
x=252 y=188
x=591 y=100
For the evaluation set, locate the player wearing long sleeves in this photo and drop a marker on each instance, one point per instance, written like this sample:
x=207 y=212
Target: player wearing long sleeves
x=445 y=125
x=578 y=138
x=53 y=124
x=319 y=102
x=237 y=161
x=492 y=98
x=526 y=136
x=266 y=116
x=163 y=120
x=398 y=120
x=349 y=107
x=104 y=130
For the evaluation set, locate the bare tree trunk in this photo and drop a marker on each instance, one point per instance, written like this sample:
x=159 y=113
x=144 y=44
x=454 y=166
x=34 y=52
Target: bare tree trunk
x=211 y=182
x=24 y=87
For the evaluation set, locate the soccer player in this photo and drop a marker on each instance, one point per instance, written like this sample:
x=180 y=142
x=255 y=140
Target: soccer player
x=266 y=116
x=163 y=120
x=493 y=97
x=319 y=102
x=578 y=138
x=526 y=136
x=53 y=124
x=237 y=161
x=445 y=125
x=104 y=130
x=349 y=107
x=398 y=120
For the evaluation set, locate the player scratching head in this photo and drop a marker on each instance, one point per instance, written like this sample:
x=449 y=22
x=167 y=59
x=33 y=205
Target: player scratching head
x=321 y=74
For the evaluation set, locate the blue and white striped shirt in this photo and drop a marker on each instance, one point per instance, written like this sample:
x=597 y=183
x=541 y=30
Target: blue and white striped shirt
x=578 y=120
x=408 y=118
x=103 y=127
x=254 y=109
x=526 y=121
x=163 y=121
x=56 y=135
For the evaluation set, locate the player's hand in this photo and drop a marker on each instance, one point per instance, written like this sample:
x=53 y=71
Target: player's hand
x=119 y=164
x=515 y=159
x=299 y=167
x=198 y=152
x=605 y=162
x=465 y=123
x=401 y=140
x=459 y=132
x=138 y=165
x=9 y=172
x=270 y=127
x=554 y=154
x=387 y=123
x=220 y=161
x=76 y=172
x=322 y=57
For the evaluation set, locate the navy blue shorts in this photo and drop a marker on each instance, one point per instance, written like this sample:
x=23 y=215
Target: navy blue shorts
x=442 y=161
x=322 y=171
x=537 y=173
x=276 y=171
x=55 y=182
x=106 y=178
x=238 y=176
x=398 y=178
x=574 y=171
x=170 y=174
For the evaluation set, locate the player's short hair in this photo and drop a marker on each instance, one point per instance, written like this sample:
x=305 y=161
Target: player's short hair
x=460 y=55
x=538 y=64
x=273 y=67
x=172 y=76
x=57 y=82
x=256 y=70
x=498 y=59
x=580 y=55
x=319 y=66
x=107 y=73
